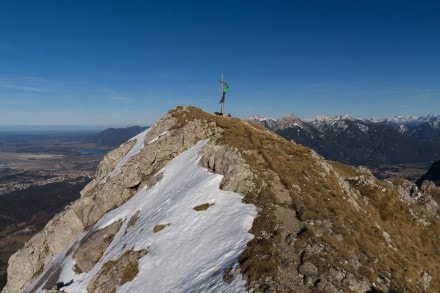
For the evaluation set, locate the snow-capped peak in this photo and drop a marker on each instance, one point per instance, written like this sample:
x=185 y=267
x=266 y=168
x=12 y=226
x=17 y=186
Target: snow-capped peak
x=260 y=118
x=407 y=119
x=402 y=119
x=326 y=119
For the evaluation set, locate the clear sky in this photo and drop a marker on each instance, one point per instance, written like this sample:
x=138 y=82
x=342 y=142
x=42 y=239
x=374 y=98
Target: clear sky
x=118 y=63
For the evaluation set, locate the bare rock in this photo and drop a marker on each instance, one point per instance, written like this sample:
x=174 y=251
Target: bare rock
x=322 y=285
x=353 y=261
x=425 y=280
x=356 y=285
x=116 y=272
x=29 y=261
x=337 y=273
x=111 y=160
x=227 y=161
x=308 y=269
x=93 y=246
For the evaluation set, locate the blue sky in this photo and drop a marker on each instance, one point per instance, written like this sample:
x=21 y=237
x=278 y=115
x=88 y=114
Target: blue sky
x=117 y=63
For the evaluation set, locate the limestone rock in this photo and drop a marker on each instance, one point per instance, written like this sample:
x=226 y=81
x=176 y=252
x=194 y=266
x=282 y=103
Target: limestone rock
x=116 y=273
x=308 y=269
x=29 y=261
x=93 y=246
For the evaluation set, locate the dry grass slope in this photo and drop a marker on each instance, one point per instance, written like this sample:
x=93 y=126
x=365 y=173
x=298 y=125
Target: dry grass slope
x=351 y=222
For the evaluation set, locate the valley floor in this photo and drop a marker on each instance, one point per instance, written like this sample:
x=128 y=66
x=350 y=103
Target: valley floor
x=411 y=172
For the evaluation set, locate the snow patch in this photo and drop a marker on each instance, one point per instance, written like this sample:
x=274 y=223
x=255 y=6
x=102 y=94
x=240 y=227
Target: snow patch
x=403 y=128
x=260 y=118
x=193 y=252
x=157 y=137
x=362 y=127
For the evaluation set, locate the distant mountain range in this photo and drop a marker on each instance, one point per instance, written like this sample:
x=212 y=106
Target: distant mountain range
x=370 y=142
x=67 y=141
x=113 y=137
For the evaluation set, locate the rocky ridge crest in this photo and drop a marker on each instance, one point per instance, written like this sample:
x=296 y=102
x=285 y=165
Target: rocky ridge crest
x=321 y=225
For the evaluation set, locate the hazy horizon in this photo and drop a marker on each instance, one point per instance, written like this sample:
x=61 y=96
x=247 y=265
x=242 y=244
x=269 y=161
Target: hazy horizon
x=60 y=128
x=94 y=128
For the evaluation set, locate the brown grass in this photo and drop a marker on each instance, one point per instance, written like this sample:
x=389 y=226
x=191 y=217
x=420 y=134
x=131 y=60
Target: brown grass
x=160 y=227
x=132 y=221
x=322 y=198
x=202 y=207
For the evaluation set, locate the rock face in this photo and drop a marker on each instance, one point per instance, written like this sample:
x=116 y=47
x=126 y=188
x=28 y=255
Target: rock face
x=433 y=174
x=320 y=225
x=116 y=273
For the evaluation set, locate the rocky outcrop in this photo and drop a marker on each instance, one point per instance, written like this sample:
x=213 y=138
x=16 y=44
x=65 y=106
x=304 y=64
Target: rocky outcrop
x=321 y=225
x=29 y=262
x=116 y=273
x=103 y=194
x=93 y=246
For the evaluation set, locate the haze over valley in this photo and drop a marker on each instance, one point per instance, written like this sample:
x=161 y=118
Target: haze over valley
x=41 y=173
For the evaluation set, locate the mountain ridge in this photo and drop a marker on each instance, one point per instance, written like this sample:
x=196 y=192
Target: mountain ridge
x=364 y=141
x=396 y=119
x=113 y=137
x=320 y=225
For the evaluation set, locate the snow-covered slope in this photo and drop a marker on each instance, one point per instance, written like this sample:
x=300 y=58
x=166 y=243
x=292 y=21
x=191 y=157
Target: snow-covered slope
x=178 y=258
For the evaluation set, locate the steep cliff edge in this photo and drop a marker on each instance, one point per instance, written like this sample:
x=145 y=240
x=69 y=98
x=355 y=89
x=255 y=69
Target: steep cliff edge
x=314 y=225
